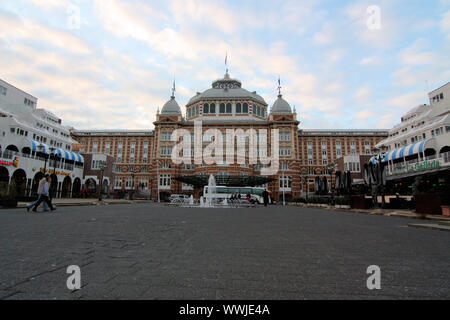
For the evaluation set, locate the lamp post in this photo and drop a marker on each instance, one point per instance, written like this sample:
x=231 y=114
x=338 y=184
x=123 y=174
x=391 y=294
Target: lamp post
x=331 y=168
x=383 y=149
x=133 y=173
x=41 y=149
x=102 y=166
x=151 y=188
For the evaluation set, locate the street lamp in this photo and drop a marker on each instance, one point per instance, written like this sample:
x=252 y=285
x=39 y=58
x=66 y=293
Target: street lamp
x=331 y=167
x=41 y=149
x=133 y=173
x=151 y=188
x=102 y=166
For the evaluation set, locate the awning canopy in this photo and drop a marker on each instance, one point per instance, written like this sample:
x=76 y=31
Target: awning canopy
x=409 y=150
x=64 y=154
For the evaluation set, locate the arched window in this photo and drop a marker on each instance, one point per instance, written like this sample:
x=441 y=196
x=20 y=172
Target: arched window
x=205 y=108
x=228 y=107
x=238 y=108
x=212 y=108
x=222 y=108
x=245 y=108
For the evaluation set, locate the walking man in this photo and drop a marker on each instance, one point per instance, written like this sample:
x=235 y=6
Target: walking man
x=44 y=196
x=265 y=195
x=39 y=191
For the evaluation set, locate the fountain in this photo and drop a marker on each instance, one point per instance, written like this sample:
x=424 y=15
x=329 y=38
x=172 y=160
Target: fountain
x=209 y=199
x=211 y=191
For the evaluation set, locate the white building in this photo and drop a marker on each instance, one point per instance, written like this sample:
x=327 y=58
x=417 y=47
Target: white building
x=420 y=143
x=33 y=140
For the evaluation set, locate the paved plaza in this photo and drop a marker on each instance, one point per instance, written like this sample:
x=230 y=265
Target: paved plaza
x=152 y=251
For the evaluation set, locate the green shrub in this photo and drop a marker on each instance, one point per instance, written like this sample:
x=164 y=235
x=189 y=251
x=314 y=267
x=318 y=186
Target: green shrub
x=342 y=201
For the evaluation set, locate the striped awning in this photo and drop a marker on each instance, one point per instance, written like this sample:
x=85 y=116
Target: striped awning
x=64 y=154
x=35 y=145
x=409 y=150
x=69 y=155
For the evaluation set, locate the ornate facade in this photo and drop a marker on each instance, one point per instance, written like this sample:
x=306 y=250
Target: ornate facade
x=143 y=158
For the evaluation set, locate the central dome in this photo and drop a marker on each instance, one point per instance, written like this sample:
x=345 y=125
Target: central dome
x=227 y=88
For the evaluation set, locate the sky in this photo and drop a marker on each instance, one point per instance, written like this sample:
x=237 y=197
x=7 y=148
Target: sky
x=110 y=64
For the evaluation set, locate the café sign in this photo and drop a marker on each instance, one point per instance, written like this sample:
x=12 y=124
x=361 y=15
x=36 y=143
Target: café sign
x=52 y=171
x=14 y=163
x=416 y=167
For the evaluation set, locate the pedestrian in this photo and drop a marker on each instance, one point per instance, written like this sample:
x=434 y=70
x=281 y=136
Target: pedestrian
x=265 y=195
x=44 y=196
x=39 y=191
x=248 y=197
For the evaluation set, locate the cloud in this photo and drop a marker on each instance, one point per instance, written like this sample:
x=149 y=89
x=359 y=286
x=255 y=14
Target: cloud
x=363 y=95
x=415 y=56
x=370 y=61
x=408 y=100
x=445 y=24
x=13 y=29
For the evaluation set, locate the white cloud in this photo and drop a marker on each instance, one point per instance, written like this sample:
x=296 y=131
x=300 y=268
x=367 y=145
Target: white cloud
x=363 y=95
x=370 y=61
x=13 y=29
x=415 y=56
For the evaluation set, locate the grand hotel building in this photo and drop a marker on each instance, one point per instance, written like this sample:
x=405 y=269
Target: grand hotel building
x=143 y=158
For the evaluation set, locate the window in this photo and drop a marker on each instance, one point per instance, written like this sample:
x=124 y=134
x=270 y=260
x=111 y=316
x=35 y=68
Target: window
x=133 y=148
x=107 y=147
x=228 y=107
x=3 y=90
x=238 y=108
x=212 y=108
x=164 y=181
x=206 y=108
x=163 y=151
x=310 y=161
x=94 y=147
x=145 y=152
x=245 y=108
x=222 y=108
x=352 y=147
x=285 y=182
x=119 y=148
x=284 y=166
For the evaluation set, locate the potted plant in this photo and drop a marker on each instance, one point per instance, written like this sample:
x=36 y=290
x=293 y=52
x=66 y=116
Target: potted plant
x=445 y=210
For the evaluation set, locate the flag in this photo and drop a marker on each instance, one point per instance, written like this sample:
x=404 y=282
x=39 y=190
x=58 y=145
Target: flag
x=279 y=81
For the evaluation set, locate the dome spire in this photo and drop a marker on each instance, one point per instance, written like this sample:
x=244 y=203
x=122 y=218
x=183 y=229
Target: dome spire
x=173 y=88
x=279 y=87
x=226 y=62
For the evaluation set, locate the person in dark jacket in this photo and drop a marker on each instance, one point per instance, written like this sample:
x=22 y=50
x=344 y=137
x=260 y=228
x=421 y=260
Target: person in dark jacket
x=265 y=196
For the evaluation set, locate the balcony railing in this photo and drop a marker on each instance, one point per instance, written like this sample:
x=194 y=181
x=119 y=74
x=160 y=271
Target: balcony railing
x=430 y=162
x=51 y=163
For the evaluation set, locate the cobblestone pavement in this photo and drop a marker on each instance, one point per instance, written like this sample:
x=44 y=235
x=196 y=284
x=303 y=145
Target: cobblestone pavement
x=151 y=251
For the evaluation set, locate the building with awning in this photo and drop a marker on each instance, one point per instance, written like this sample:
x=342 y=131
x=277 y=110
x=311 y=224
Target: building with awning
x=33 y=142
x=418 y=148
x=61 y=153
